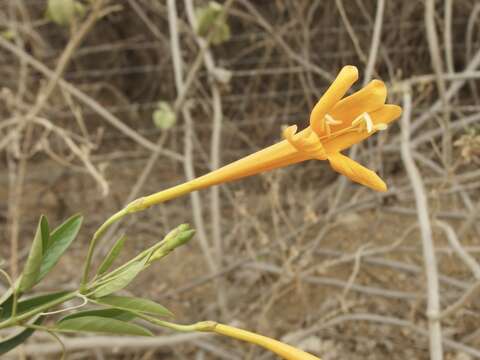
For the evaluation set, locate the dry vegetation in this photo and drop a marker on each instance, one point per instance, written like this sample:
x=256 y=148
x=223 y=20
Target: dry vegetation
x=299 y=253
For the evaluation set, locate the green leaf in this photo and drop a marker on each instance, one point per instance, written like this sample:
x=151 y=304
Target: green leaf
x=211 y=24
x=34 y=260
x=18 y=339
x=7 y=297
x=221 y=34
x=45 y=234
x=134 y=304
x=60 y=240
x=31 y=303
x=164 y=116
x=112 y=255
x=63 y=12
x=121 y=280
x=207 y=16
x=111 y=313
x=100 y=324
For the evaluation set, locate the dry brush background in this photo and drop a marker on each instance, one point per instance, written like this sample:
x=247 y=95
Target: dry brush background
x=299 y=253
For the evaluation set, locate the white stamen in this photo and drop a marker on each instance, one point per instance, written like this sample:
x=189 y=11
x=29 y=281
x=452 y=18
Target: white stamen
x=331 y=121
x=364 y=120
x=368 y=122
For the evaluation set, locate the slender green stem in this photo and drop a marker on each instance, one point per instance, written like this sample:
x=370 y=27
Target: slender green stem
x=93 y=243
x=51 y=332
x=15 y=302
x=14 y=291
x=27 y=315
x=118 y=270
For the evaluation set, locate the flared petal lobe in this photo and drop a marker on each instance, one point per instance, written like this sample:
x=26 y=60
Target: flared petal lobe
x=368 y=99
x=356 y=172
x=342 y=83
x=385 y=115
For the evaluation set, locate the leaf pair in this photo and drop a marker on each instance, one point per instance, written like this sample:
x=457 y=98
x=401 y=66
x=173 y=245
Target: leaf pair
x=46 y=250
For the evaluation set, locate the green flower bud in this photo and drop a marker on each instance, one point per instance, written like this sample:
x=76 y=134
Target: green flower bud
x=175 y=238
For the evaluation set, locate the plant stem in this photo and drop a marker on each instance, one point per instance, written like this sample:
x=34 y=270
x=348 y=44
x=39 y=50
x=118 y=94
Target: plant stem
x=97 y=236
x=51 y=332
x=13 y=290
x=27 y=315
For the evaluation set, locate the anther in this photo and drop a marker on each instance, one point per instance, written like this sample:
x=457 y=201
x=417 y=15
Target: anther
x=364 y=121
x=380 y=127
x=331 y=121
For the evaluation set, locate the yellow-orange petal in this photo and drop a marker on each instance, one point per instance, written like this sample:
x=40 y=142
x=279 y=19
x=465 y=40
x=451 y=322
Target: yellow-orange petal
x=266 y=159
x=356 y=172
x=368 y=99
x=286 y=351
x=386 y=114
x=344 y=80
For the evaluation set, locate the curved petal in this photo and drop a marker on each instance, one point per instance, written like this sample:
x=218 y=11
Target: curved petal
x=356 y=172
x=386 y=114
x=344 y=80
x=368 y=99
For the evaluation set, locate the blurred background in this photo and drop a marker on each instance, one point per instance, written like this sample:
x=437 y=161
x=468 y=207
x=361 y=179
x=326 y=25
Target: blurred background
x=104 y=101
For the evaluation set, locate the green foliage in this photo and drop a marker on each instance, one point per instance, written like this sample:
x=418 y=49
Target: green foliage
x=59 y=241
x=34 y=261
x=121 y=280
x=47 y=249
x=164 y=116
x=31 y=303
x=64 y=12
x=212 y=23
x=111 y=256
x=111 y=313
x=99 y=324
x=18 y=339
x=134 y=304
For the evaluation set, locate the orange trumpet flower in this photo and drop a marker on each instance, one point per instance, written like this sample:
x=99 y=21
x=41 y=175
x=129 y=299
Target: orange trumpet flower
x=336 y=123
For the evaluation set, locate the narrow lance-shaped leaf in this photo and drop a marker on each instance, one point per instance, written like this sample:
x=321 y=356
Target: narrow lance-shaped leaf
x=134 y=304
x=60 y=240
x=34 y=261
x=111 y=313
x=122 y=279
x=100 y=324
x=112 y=255
x=18 y=339
x=53 y=247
